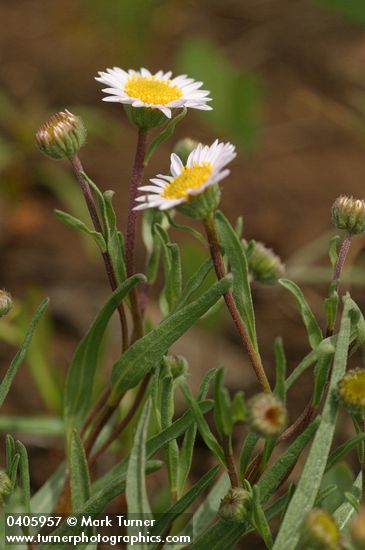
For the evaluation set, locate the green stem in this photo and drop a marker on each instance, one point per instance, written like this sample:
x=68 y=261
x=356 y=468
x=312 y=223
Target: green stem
x=231 y=468
x=255 y=359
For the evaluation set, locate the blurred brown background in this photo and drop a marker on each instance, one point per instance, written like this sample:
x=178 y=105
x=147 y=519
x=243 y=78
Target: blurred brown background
x=288 y=82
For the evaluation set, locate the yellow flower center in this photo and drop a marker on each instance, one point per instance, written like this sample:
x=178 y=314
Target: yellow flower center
x=151 y=90
x=190 y=178
x=352 y=388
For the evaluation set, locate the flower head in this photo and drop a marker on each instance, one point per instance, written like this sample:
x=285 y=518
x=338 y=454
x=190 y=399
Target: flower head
x=61 y=135
x=320 y=531
x=349 y=214
x=235 y=505
x=264 y=265
x=153 y=91
x=266 y=414
x=6 y=303
x=204 y=168
x=351 y=390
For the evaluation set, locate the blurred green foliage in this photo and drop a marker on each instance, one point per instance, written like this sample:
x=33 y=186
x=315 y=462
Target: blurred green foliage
x=352 y=9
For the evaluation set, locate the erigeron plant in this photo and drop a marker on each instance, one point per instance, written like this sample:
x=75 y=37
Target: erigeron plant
x=247 y=488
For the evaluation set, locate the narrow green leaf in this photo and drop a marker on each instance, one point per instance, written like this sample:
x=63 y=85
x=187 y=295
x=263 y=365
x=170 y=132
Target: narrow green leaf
x=164 y=135
x=260 y=520
x=47 y=496
x=209 y=439
x=136 y=491
x=80 y=377
x=13 y=470
x=184 y=503
x=129 y=370
x=24 y=475
x=343 y=450
x=223 y=413
x=310 y=480
x=9 y=450
x=194 y=283
x=346 y=511
x=307 y=362
x=38 y=425
x=19 y=357
x=238 y=262
x=79 y=473
x=314 y=332
x=75 y=223
x=171 y=448
x=332 y=250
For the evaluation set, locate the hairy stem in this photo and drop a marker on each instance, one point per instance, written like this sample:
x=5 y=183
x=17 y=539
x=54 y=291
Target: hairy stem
x=220 y=270
x=89 y=199
x=231 y=468
x=345 y=247
x=136 y=180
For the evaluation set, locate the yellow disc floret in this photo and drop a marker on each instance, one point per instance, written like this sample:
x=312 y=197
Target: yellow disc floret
x=351 y=390
x=190 y=178
x=151 y=90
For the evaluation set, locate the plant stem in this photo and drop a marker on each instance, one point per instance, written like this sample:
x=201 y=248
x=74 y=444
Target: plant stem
x=124 y=423
x=136 y=180
x=94 y=434
x=220 y=270
x=345 y=247
x=363 y=467
x=78 y=170
x=94 y=412
x=231 y=468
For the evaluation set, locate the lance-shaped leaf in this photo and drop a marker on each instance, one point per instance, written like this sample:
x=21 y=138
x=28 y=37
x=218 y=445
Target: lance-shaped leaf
x=136 y=491
x=24 y=475
x=147 y=352
x=80 y=478
x=241 y=287
x=75 y=223
x=19 y=357
x=80 y=378
x=310 y=480
x=314 y=332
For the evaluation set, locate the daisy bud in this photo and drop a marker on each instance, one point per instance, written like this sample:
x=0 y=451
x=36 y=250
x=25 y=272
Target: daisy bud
x=349 y=214
x=264 y=265
x=178 y=366
x=5 y=487
x=320 y=531
x=358 y=531
x=351 y=390
x=6 y=303
x=184 y=147
x=266 y=414
x=235 y=505
x=62 y=135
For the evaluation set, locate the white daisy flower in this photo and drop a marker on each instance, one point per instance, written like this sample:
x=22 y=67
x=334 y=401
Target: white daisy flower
x=153 y=91
x=204 y=168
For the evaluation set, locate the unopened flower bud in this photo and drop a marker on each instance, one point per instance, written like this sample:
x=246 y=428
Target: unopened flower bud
x=266 y=414
x=235 y=505
x=178 y=366
x=6 y=303
x=62 y=135
x=264 y=265
x=349 y=214
x=184 y=147
x=351 y=390
x=358 y=531
x=320 y=531
x=5 y=487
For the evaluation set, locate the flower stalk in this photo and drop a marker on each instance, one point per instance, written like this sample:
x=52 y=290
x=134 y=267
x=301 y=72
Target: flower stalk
x=89 y=199
x=216 y=254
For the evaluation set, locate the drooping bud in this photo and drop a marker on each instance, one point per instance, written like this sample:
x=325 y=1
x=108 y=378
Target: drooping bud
x=349 y=214
x=358 y=531
x=6 y=303
x=235 y=505
x=184 y=147
x=264 y=265
x=5 y=487
x=266 y=414
x=62 y=135
x=320 y=531
x=351 y=390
